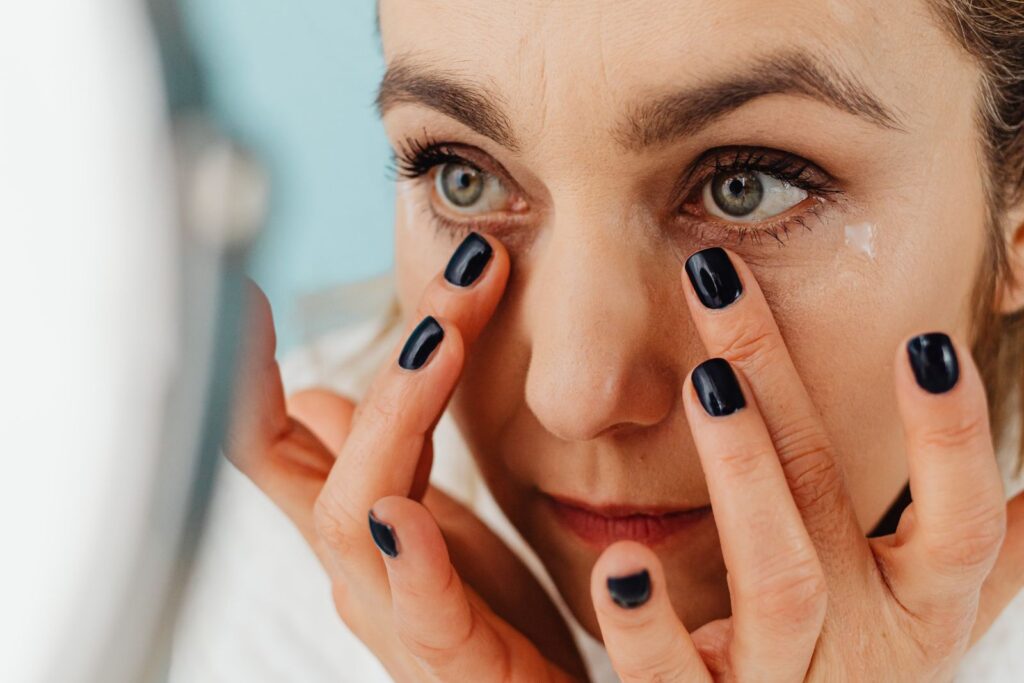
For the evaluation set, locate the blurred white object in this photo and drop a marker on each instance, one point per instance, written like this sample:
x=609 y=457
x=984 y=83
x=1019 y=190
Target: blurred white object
x=112 y=328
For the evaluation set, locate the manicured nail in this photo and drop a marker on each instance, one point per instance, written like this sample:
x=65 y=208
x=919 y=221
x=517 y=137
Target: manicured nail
x=630 y=591
x=717 y=387
x=421 y=343
x=713 y=277
x=383 y=535
x=468 y=261
x=934 y=362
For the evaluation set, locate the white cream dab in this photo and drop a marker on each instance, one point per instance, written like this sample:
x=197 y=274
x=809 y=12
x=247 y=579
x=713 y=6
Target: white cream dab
x=861 y=238
x=405 y=192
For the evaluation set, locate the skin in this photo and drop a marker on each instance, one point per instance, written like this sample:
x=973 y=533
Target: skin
x=567 y=364
x=519 y=401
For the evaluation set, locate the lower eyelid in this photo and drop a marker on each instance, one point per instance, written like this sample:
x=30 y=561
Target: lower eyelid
x=776 y=230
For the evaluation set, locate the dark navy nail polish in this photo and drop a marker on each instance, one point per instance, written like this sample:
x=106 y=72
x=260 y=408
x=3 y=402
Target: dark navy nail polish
x=468 y=261
x=630 y=591
x=383 y=535
x=421 y=343
x=717 y=387
x=934 y=362
x=713 y=277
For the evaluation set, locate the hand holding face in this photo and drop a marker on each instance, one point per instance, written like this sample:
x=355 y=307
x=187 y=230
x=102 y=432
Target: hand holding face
x=336 y=468
x=812 y=598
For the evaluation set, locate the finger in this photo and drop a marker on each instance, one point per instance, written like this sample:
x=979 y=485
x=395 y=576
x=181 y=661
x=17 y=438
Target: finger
x=776 y=581
x=734 y=322
x=388 y=448
x=936 y=568
x=258 y=416
x=644 y=637
x=452 y=635
x=1006 y=580
x=327 y=414
x=274 y=449
x=490 y=567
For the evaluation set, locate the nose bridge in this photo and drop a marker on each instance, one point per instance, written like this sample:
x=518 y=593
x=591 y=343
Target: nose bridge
x=597 y=305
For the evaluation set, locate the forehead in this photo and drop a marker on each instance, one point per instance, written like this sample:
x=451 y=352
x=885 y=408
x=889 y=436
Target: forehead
x=583 y=60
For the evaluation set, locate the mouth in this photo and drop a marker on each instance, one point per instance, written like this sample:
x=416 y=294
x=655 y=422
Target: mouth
x=601 y=525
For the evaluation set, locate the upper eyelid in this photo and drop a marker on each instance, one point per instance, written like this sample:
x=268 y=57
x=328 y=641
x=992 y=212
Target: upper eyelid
x=708 y=163
x=469 y=155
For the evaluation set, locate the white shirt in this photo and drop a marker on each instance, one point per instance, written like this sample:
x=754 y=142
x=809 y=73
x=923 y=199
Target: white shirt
x=259 y=609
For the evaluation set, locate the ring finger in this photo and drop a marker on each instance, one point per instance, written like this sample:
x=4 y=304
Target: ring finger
x=775 y=579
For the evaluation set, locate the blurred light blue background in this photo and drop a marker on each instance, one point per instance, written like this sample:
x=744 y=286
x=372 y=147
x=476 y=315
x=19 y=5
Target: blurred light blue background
x=296 y=81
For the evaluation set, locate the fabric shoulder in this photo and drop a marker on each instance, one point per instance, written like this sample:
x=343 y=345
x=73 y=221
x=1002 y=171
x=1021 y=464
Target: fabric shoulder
x=345 y=356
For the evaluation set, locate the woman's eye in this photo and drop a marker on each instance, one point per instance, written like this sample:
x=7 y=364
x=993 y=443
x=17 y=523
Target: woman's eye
x=467 y=190
x=748 y=196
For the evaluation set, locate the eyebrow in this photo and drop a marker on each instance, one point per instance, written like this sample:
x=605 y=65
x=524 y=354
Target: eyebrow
x=687 y=111
x=473 y=104
x=656 y=121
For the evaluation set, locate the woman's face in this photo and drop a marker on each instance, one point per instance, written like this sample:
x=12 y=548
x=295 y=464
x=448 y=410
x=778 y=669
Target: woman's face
x=831 y=145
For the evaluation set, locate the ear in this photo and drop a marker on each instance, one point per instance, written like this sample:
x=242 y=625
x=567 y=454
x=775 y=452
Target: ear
x=1010 y=295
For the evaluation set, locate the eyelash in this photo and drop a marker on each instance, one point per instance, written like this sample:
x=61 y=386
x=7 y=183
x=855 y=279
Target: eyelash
x=415 y=158
x=783 y=166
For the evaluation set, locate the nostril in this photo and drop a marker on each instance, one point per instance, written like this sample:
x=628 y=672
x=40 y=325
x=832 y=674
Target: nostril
x=598 y=402
x=619 y=430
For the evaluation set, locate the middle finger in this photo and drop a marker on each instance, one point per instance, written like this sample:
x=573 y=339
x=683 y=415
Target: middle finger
x=734 y=322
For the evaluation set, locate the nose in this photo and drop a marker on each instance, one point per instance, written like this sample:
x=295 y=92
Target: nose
x=601 y=314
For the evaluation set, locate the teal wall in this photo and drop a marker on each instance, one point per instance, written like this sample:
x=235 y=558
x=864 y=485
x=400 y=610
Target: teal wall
x=295 y=79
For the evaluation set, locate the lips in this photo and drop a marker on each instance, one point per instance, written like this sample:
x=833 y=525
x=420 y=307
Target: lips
x=605 y=524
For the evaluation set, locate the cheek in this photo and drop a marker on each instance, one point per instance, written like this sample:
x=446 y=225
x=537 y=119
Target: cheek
x=895 y=271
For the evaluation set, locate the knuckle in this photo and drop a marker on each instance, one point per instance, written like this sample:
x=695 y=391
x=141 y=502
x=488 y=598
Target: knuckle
x=935 y=641
x=662 y=667
x=662 y=661
x=962 y=430
x=973 y=542
x=335 y=525
x=417 y=591
x=790 y=595
x=384 y=408
x=750 y=342
x=434 y=649
x=744 y=461
x=814 y=476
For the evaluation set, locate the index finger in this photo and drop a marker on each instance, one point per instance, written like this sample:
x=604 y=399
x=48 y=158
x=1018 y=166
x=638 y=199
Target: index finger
x=389 y=444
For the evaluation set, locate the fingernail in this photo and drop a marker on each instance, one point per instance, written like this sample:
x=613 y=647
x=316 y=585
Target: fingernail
x=934 y=362
x=421 y=343
x=468 y=261
x=383 y=535
x=630 y=591
x=717 y=387
x=713 y=277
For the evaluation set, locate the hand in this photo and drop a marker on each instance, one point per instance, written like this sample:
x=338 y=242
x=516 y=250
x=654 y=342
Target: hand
x=812 y=598
x=326 y=463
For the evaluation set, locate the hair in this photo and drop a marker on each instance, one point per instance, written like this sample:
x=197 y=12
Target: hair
x=992 y=33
